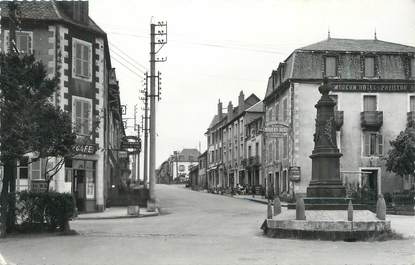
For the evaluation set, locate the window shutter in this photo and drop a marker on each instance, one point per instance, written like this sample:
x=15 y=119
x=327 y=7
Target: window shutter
x=412 y=103
x=277 y=112
x=78 y=116
x=366 y=144
x=380 y=144
x=86 y=117
x=369 y=103
x=29 y=43
x=89 y=61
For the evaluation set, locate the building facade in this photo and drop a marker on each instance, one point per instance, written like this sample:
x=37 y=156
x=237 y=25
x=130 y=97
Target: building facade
x=254 y=144
x=215 y=168
x=75 y=52
x=234 y=147
x=370 y=79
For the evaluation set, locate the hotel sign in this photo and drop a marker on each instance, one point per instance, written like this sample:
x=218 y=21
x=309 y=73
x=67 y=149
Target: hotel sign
x=276 y=130
x=373 y=87
x=294 y=173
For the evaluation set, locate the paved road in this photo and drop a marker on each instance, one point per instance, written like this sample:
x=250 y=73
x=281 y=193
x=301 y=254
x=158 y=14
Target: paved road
x=194 y=228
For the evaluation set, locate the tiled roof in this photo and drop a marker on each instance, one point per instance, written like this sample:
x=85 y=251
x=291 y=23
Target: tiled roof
x=47 y=11
x=354 y=45
x=216 y=120
x=189 y=154
x=258 y=107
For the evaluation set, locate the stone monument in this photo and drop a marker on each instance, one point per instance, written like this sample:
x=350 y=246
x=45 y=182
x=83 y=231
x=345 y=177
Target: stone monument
x=325 y=176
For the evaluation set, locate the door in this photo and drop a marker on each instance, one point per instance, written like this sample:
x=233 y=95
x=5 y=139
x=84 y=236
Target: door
x=370 y=184
x=79 y=188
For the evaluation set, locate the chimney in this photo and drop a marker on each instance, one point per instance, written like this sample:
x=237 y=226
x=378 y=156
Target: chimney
x=241 y=101
x=220 y=109
x=230 y=110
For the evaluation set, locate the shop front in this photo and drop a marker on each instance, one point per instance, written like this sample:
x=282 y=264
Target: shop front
x=83 y=175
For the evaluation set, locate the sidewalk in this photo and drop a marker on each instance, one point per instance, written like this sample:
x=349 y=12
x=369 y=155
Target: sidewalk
x=115 y=213
x=257 y=198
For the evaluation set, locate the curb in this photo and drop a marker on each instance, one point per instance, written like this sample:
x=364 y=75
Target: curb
x=151 y=214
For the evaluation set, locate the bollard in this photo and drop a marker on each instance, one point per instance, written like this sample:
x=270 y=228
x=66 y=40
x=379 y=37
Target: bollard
x=300 y=209
x=277 y=205
x=381 y=208
x=350 y=211
x=269 y=210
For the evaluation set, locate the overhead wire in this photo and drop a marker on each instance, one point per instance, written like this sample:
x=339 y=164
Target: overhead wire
x=127 y=61
x=128 y=56
x=128 y=68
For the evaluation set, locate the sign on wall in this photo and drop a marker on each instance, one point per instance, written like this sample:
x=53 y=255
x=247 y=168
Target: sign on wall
x=294 y=173
x=276 y=130
x=88 y=149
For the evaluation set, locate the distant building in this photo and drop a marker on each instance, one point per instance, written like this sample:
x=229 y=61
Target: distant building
x=254 y=145
x=215 y=169
x=164 y=174
x=375 y=93
x=197 y=174
x=181 y=162
x=233 y=140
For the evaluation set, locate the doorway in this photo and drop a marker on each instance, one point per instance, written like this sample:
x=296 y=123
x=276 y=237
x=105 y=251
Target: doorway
x=370 y=183
x=79 y=188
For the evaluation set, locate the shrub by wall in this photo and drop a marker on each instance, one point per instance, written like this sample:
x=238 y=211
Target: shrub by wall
x=43 y=211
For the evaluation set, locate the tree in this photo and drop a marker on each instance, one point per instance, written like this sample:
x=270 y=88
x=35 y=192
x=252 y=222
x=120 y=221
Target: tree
x=401 y=157
x=30 y=123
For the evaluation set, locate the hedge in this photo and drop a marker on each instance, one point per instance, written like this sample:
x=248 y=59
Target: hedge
x=43 y=211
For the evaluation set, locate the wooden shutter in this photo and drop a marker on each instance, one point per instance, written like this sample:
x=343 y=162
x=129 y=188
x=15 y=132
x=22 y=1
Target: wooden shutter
x=277 y=112
x=412 y=103
x=330 y=66
x=366 y=144
x=78 y=116
x=369 y=66
x=86 y=117
x=380 y=144
x=369 y=103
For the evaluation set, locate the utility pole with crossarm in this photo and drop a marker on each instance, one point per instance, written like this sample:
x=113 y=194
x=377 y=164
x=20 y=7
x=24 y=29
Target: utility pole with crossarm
x=157 y=40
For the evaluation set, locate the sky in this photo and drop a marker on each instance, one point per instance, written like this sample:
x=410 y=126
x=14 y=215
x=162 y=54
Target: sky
x=216 y=48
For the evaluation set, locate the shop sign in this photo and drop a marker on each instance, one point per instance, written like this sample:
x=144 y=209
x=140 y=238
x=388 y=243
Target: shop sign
x=88 y=149
x=133 y=143
x=294 y=173
x=276 y=130
x=362 y=87
x=122 y=154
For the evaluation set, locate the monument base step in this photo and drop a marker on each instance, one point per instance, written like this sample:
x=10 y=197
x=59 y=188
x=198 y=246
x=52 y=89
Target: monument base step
x=328 y=203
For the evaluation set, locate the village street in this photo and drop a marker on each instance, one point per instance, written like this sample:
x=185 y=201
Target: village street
x=198 y=228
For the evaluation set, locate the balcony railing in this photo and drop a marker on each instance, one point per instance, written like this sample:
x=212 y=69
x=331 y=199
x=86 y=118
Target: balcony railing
x=410 y=116
x=371 y=120
x=338 y=119
x=253 y=161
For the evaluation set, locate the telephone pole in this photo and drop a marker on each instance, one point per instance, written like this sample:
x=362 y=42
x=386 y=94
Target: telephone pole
x=145 y=131
x=158 y=39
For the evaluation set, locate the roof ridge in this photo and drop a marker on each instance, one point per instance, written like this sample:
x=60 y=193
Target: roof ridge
x=55 y=7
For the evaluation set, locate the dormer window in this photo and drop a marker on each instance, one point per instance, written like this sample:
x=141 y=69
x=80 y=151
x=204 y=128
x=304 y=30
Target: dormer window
x=369 y=66
x=330 y=68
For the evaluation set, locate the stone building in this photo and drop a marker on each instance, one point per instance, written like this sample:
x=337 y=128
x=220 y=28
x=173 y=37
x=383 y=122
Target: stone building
x=75 y=51
x=181 y=162
x=375 y=93
x=215 y=169
x=233 y=141
x=254 y=145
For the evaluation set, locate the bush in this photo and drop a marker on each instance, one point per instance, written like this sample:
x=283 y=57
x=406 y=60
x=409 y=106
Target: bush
x=43 y=211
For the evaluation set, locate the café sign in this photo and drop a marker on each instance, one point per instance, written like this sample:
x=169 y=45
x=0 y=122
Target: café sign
x=88 y=149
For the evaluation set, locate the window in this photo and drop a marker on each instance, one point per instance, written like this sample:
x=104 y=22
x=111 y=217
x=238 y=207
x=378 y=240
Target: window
x=68 y=175
x=82 y=59
x=270 y=153
x=24 y=41
x=24 y=168
x=412 y=67
x=412 y=103
x=285 y=147
x=285 y=109
x=277 y=149
x=36 y=170
x=369 y=67
x=369 y=103
x=269 y=112
x=256 y=149
x=372 y=144
x=249 y=151
x=330 y=66
x=335 y=99
x=82 y=115
x=277 y=112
